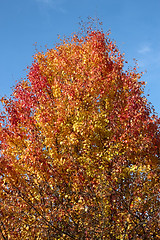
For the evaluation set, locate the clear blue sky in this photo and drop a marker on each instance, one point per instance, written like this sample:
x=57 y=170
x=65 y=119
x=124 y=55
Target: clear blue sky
x=134 y=24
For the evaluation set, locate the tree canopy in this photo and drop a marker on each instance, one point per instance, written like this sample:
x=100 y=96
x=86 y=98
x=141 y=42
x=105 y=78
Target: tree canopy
x=79 y=147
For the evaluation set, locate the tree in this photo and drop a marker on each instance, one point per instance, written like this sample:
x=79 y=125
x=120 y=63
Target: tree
x=79 y=147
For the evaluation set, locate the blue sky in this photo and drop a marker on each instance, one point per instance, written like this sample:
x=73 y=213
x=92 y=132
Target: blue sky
x=134 y=25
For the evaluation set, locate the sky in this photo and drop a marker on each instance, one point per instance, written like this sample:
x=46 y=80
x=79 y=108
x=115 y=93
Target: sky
x=29 y=24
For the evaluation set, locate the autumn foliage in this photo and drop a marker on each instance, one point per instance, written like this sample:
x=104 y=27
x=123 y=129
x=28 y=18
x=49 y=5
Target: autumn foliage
x=79 y=155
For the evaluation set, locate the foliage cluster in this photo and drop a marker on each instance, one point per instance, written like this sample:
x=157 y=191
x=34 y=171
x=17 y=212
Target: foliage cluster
x=79 y=150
